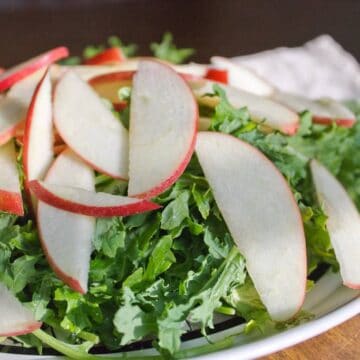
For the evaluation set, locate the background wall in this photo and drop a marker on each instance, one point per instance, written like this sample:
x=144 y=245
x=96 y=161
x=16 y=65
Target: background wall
x=226 y=27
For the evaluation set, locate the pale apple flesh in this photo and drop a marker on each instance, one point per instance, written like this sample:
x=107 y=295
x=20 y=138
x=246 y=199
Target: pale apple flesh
x=11 y=76
x=38 y=135
x=324 y=111
x=163 y=127
x=343 y=223
x=261 y=109
x=89 y=128
x=66 y=237
x=10 y=192
x=12 y=113
x=262 y=216
x=15 y=318
x=84 y=202
x=240 y=77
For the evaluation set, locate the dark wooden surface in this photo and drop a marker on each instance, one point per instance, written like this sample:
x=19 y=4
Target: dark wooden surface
x=227 y=27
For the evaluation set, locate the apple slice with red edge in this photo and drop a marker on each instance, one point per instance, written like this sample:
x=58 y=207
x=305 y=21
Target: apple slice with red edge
x=108 y=85
x=89 y=128
x=11 y=76
x=67 y=237
x=12 y=113
x=262 y=216
x=240 y=77
x=324 y=111
x=84 y=202
x=38 y=135
x=107 y=57
x=15 y=318
x=163 y=127
x=261 y=109
x=10 y=192
x=343 y=223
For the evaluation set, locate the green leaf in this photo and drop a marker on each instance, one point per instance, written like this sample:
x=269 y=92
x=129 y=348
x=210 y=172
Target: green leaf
x=161 y=259
x=166 y=50
x=175 y=212
x=131 y=321
x=109 y=236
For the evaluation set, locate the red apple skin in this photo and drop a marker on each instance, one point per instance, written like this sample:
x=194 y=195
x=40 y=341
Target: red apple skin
x=27 y=131
x=185 y=161
x=107 y=57
x=123 y=210
x=11 y=202
x=70 y=281
x=110 y=77
x=29 y=328
x=347 y=123
x=219 y=75
x=43 y=60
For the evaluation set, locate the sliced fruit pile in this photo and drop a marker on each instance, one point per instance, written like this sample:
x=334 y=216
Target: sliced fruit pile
x=67 y=132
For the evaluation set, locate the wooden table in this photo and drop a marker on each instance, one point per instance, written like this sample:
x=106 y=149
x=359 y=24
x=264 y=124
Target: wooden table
x=226 y=27
x=342 y=342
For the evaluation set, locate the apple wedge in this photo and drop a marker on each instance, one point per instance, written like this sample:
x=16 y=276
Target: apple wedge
x=89 y=128
x=261 y=109
x=163 y=127
x=10 y=192
x=343 y=223
x=12 y=113
x=107 y=86
x=67 y=237
x=107 y=57
x=38 y=135
x=90 y=203
x=324 y=111
x=15 y=318
x=11 y=76
x=240 y=77
x=263 y=219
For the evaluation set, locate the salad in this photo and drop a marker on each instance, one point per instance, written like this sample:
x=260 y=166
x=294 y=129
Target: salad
x=141 y=198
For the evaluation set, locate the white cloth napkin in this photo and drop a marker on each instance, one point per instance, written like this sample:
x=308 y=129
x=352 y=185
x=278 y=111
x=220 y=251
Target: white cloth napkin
x=319 y=68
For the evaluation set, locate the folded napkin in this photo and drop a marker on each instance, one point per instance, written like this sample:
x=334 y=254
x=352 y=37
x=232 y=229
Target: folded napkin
x=319 y=68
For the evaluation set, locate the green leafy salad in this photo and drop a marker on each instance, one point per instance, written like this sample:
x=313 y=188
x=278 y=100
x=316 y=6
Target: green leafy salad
x=156 y=275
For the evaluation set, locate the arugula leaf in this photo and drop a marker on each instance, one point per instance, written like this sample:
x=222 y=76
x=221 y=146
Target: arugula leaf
x=166 y=50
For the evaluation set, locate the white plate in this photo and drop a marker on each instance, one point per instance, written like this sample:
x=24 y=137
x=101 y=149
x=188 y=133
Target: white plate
x=329 y=301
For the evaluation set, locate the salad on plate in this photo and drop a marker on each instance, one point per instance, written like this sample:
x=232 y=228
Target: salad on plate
x=143 y=200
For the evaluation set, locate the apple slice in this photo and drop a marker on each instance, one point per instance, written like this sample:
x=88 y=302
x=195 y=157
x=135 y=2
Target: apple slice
x=10 y=192
x=240 y=77
x=263 y=218
x=13 y=75
x=67 y=237
x=261 y=109
x=343 y=223
x=107 y=57
x=12 y=113
x=89 y=128
x=163 y=126
x=90 y=203
x=15 y=318
x=324 y=111
x=38 y=136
